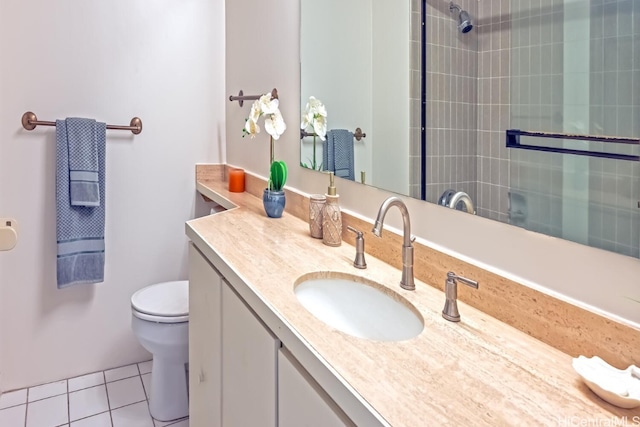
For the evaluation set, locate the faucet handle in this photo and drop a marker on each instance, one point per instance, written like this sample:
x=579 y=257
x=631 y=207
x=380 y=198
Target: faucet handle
x=450 y=311
x=358 y=232
x=359 y=261
x=453 y=276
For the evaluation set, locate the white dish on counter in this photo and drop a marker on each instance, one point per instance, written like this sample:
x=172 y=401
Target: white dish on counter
x=616 y=386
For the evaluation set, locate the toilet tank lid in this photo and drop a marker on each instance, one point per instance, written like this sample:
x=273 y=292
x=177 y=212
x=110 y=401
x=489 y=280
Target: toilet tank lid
x=163 y=299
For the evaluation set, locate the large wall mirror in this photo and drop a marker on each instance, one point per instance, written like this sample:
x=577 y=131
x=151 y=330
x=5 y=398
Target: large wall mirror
x=435 y=86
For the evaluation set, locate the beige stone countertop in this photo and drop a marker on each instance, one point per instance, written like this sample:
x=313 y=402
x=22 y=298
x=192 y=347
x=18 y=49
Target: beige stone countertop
x=478 y=372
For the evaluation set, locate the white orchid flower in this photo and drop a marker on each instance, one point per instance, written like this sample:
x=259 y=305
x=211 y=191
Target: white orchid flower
x=317 y=107
x=315 y=114
x=251 y=127
x=268 y=105
x=320 y=127
x=274 y=124
x=255 y=112
x=305 y=121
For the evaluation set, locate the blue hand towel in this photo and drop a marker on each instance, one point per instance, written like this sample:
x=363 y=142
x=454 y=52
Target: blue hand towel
x=337 y=153
x=83 y=162
x=79 y=229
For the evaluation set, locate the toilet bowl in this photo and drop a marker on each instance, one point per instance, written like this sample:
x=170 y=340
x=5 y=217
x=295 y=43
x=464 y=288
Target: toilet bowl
x=160 y=321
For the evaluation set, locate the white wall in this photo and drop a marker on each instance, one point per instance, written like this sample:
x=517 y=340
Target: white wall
x=587 y=276
x=159 y=60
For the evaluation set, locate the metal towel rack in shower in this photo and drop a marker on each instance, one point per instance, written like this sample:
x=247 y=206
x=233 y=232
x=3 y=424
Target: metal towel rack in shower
x=513 y=141
x=30 y=122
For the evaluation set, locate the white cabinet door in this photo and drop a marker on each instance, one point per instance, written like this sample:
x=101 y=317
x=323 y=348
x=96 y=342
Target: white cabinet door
x=248 y=366
x=205 y=331
x=301 y=401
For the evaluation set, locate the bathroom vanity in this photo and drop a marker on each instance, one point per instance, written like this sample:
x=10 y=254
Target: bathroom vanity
x=258 y=357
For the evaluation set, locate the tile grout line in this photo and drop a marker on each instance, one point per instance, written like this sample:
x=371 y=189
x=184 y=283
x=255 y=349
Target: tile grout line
x=144 y=390
x=68 y=404
x=26 y=409
x=106 y=390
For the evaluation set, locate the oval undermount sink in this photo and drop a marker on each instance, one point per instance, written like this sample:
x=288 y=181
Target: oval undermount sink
x=358 y=307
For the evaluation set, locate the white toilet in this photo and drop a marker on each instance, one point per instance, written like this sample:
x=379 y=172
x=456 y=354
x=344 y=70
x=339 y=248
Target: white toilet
x=161 y=322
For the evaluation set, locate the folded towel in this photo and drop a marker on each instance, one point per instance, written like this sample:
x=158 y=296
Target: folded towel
x=83 y=162
x=337 y=153
x=79 y=229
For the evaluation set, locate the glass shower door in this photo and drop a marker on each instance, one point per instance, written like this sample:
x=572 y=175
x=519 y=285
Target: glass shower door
x=588 y=84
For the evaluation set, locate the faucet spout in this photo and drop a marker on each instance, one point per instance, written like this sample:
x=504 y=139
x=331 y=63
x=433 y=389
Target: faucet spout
x=407 y=281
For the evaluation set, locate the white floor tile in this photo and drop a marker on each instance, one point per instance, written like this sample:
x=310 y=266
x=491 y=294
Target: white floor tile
x=13 y=416
x=120 y=373
x=145 y=367
x=87 y=402
x=86 y=381
x=49 y=412
x=13 y=398
x=136 y=415
x=125 y=392
x=146 y=381
x=47 y=390
x=100 y=420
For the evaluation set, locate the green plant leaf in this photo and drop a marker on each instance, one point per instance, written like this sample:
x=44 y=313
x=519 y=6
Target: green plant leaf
x=278 y=175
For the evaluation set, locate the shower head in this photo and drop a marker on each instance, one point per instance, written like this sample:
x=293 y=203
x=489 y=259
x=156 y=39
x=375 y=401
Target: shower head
x=464 y=20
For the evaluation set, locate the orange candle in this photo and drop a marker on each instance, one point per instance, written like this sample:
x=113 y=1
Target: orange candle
x=236 y=180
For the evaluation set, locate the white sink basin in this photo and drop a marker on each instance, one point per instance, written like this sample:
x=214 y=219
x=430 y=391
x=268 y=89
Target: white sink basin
x=359 y=307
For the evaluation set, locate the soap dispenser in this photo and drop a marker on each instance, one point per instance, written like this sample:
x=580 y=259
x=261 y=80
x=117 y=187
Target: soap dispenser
x=331 y=216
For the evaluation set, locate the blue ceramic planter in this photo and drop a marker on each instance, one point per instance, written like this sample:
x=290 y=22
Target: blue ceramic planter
x=273 y=202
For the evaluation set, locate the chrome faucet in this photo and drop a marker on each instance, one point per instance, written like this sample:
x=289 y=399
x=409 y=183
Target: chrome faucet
x=407 y=246
x=463 y=197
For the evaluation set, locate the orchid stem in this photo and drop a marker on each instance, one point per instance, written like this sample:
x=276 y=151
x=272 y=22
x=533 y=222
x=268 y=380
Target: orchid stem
x=271 y=150
x=314 y=152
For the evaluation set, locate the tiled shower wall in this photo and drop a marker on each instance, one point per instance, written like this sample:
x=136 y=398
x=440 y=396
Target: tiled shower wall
x=537 y=104
x=544 y=92
x=494 y=59
x=518 y=78
x=614 y=185
x=451 y=102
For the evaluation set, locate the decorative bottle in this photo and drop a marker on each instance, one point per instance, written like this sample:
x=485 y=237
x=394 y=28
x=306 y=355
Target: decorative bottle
x=316 y=208
x=332 y=217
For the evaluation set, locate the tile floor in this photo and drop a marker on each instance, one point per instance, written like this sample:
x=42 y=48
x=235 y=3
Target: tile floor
x=113 y=398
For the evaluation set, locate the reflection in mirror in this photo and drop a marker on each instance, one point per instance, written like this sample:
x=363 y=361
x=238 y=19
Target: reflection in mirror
x=570 y=67
x=351 y=56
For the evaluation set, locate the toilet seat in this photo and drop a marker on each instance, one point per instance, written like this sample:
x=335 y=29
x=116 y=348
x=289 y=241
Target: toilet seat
x=166 y=302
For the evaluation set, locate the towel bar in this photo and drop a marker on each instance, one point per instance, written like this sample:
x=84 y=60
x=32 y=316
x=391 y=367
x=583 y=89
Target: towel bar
x=242 y=97
x=513 y=141
x=30 y=122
